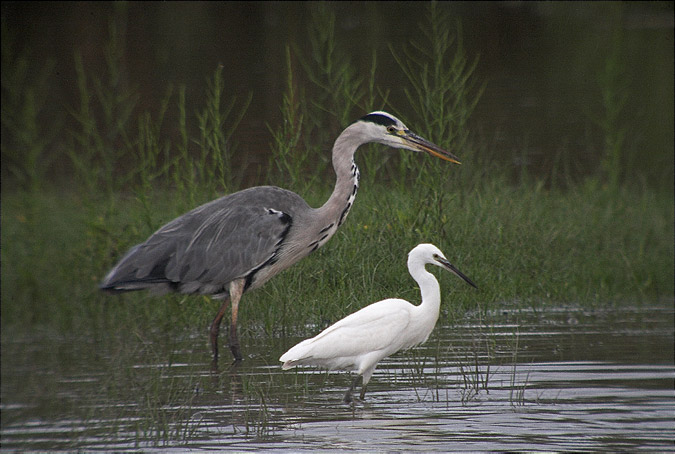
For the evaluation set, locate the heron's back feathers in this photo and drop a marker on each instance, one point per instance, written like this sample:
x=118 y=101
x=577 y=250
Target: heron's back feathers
x=203 y=250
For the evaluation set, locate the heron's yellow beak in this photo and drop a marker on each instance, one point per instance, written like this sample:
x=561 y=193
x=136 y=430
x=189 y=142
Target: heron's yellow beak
x=418 y=143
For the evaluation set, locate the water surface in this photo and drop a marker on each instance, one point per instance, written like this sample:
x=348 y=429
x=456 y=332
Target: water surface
x=556 y=379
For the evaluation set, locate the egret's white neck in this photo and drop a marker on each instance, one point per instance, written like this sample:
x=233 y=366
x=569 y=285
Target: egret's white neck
x=429 y=309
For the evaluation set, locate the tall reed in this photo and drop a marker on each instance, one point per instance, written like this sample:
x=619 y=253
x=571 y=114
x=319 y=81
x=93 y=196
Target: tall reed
x=443 y=94
x=614 y=87
x=29 y=131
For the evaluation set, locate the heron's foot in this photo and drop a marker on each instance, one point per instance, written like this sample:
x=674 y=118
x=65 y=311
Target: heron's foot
x=234 y=348
x=214 y=341
x=236 y=352
x=237 y=360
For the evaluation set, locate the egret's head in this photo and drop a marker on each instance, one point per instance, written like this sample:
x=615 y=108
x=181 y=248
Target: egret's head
x=426 y=253
x=389 y=130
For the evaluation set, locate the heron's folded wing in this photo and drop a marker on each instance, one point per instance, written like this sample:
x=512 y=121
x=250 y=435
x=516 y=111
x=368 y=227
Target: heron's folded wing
x=228 y=244
x=213 y=244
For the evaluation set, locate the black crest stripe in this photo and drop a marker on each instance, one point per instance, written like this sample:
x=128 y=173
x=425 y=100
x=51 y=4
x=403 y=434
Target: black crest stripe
x=379 y=119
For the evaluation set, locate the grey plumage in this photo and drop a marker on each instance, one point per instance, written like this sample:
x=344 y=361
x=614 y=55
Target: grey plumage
x=238 y=242
x=206 y=248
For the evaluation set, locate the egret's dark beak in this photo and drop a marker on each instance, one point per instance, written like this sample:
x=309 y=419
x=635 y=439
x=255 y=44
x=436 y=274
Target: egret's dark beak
x=450 y=267
x=418 y=143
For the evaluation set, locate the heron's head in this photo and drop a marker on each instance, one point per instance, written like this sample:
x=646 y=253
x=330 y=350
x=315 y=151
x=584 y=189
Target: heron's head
x=428 y=254
x=385 y=128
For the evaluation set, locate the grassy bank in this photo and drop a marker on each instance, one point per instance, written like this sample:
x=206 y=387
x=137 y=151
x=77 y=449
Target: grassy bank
x=524 y=246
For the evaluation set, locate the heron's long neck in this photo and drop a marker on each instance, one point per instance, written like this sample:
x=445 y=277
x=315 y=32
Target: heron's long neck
x=340 y=202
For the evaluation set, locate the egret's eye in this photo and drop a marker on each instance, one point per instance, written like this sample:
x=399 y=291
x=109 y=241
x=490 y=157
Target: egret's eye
x=391 y=129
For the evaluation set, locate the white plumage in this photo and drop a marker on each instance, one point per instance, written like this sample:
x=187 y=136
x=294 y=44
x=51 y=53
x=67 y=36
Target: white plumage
x=362 y=339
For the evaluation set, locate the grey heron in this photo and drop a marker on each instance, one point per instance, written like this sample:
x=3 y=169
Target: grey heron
x=362 y=339
x=238 y=242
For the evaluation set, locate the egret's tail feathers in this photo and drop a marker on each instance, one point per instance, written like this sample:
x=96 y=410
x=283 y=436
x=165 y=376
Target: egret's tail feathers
x=289 y=359
x=288 y=364
x=293 y=358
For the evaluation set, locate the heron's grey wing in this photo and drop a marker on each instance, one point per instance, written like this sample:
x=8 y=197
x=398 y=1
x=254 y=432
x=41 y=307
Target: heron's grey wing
x=228 y=244
x=205 y=249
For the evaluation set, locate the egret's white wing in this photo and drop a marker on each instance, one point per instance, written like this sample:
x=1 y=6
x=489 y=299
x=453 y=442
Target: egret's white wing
x=378 y=327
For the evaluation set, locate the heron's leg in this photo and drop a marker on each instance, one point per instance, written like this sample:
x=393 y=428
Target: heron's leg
x=236 y=290
x=215 y=328
x=348 y=395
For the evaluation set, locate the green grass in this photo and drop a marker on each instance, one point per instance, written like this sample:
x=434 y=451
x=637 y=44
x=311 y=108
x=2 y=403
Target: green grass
x=523 y=246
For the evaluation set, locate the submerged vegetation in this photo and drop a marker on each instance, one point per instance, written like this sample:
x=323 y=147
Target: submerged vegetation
x=528 y=241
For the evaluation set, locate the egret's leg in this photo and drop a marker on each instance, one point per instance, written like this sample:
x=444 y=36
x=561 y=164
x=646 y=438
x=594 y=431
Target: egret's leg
x=215 y=328
x=363 y=392
x=236 y=290
x=348 y=395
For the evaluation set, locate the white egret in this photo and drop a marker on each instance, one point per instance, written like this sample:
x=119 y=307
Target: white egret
x=362 y=339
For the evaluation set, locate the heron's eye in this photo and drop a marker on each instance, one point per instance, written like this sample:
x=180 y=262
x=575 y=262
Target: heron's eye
x=391 y=129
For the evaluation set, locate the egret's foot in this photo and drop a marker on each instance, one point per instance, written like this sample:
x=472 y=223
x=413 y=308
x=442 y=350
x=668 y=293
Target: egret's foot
x=348 y=399
x=362 y=396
